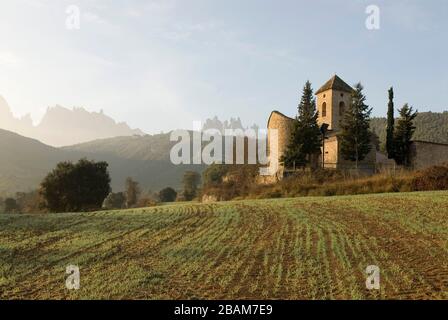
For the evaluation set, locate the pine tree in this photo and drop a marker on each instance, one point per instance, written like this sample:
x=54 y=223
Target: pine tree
x=403 y=134
x=355 y=135
x=133 y=192
x=191 y=182
x=390 y=125
x=305 y=135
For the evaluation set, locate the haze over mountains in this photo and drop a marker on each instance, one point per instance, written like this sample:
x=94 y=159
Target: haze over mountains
x=62 y=127
x=29 y=152
x=26 y=155
x=24 y=162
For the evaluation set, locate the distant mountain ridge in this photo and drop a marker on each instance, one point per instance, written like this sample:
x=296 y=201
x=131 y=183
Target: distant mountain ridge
x=62 y=127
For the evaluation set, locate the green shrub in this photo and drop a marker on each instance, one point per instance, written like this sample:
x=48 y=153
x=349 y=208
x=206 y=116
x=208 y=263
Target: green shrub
x=115 y=201
x=11 y=206
x=80 y=186
x=167 y=195
x=214 y=174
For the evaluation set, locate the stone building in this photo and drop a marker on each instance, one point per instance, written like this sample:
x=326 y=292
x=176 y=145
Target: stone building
x=332 y=100
x=283 y=125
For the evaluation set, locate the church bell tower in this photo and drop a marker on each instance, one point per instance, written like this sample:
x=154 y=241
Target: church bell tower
x=332 y=100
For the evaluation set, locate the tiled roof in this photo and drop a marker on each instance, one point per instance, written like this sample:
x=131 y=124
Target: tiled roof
x=335 y=83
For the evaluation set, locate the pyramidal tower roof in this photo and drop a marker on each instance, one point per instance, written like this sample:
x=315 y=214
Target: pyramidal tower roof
x=335 y=83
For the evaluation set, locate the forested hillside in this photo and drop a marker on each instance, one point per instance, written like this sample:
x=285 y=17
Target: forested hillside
x=431 y=126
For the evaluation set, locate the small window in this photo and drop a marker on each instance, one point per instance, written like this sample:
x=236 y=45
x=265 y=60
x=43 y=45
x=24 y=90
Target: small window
x=324 y=109
x=341 y=108
x=342 y=95
x=324 y=95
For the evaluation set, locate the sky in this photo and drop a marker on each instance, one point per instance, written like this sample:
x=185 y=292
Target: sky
x=162 y=64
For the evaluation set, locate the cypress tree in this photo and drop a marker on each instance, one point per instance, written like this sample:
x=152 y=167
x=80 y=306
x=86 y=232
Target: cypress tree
x=403 y=134
x=355 y=135
x=390 y=125
x=305 y=136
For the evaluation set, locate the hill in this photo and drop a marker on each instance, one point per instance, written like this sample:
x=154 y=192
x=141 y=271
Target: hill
x=146 y=147
x=302 y=248
x=431 y=126
x=24 y=161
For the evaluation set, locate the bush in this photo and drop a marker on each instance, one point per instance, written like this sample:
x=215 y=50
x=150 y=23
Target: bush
x=132 y=192
x=167 y=195
x=76 y=187
x=190 y=180
x=240 y=182
x=214 y=174
x=274 y=194
x=144 y=202
x=29 y=202
x=11 y=206
x=433 y=178
x=226 y=182
x=115 y=201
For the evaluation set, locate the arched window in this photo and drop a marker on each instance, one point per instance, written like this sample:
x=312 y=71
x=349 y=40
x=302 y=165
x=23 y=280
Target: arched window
x=324 y=109
x=341 y=108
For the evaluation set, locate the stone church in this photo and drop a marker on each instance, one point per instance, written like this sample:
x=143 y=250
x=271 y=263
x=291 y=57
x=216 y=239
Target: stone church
x=332 y=100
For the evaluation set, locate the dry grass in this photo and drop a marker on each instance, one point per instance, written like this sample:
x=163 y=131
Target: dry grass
x=331 y=183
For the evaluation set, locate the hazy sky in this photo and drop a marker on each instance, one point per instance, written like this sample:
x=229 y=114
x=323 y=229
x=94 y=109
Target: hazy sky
x=162 y=64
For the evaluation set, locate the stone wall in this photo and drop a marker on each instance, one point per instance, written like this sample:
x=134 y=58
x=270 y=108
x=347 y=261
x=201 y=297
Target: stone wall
x=284 y=126
x=425 y=154
x=334 y=159
x=331 y=152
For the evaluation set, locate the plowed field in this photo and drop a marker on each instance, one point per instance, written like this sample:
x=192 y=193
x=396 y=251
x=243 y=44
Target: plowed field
x=301 y=248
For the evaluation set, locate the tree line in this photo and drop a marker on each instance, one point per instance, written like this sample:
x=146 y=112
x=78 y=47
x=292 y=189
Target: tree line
x=85 y=186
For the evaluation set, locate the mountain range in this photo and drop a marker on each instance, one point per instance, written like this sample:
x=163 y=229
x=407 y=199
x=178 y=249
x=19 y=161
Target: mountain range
x=62 y=127
x=30 y=151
